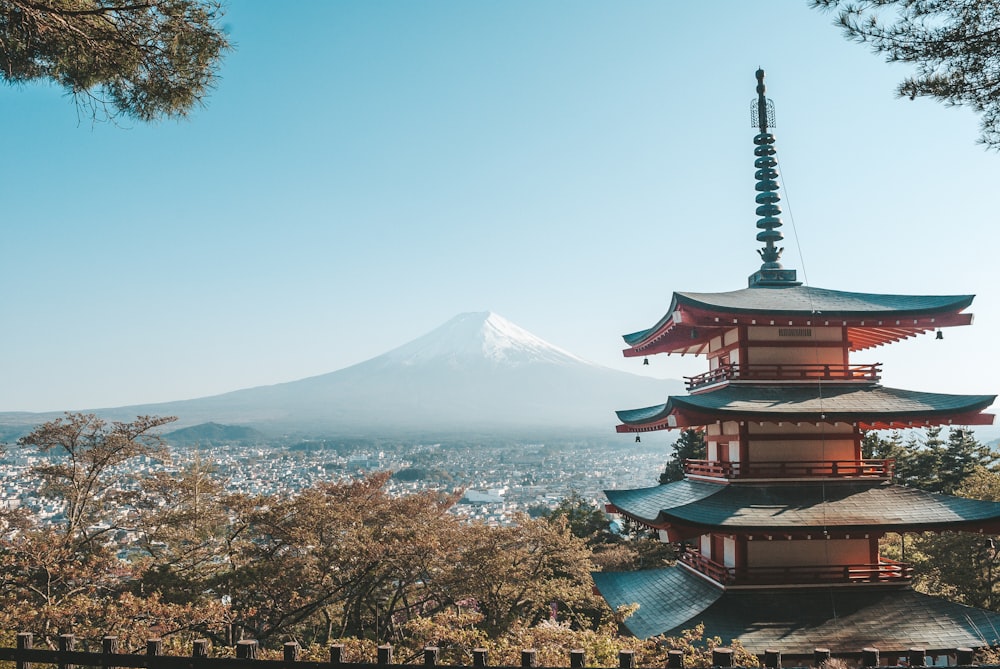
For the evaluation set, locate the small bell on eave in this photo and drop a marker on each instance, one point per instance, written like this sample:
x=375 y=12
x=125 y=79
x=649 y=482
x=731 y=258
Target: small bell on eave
x=939 y=335
x=645 y=361
x=637 y=439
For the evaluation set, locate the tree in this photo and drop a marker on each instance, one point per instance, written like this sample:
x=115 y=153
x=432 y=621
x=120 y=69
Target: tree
x=584 y=519
x=65 y=575
x=952 y=43
x=961 y=457
x=142 y=60
x=689 y=446
x=961 y=566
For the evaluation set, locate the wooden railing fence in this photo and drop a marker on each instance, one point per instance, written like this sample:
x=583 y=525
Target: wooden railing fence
x=24 y=656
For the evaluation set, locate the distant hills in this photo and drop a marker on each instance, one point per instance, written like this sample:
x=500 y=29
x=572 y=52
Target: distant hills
x=477 y=373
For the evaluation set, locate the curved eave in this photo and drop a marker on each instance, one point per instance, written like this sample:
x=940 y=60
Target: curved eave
x=869 y=407
x=666 y=597
x=844 y=620
x=692 y=321
x=688 y=508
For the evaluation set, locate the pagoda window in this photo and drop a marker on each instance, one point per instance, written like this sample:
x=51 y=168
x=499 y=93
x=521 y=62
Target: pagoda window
x=795 y=355
x=808 y=552
x=818 y=451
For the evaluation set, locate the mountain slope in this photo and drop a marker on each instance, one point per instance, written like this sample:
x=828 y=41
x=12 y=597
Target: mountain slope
x=476 y=372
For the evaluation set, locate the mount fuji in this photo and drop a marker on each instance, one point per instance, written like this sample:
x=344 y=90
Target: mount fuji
x=476 y=373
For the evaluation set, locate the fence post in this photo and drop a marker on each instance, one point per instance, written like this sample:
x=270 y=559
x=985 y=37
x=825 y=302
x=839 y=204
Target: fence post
x=675 y=659
x=772 y=658
x=722 y=657
x=291 y=650
x=964 y=657
x=67 y=643
x=869 y=657
x=385 y=654
x=246 y=649
x=529 y=659
x=154 y=647
x=626 y=659
x=337 y=654
x=431 y=656
x=577 y=658
x=199 y=649
x=917 y=657
x=479 y=658
x=24 y=642
x=109 y=646
x=820 y=655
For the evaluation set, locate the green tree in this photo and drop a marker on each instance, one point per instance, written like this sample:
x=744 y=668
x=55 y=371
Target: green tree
x=142 y=60
x=584 y=519
x=961 y=566
x=962 y=456
x=952 y=44
x=689 y=446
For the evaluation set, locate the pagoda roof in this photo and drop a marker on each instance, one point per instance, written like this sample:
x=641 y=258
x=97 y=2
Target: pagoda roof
x=871 y=406
x=690 y=508
x=873 y=319
x=796 y=621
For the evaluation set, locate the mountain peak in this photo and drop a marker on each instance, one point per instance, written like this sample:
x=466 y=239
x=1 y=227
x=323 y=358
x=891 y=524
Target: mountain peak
x=478 y=337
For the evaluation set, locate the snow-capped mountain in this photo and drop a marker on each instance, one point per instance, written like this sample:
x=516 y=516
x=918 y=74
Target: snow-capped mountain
x=476 y=338
x=477 y=372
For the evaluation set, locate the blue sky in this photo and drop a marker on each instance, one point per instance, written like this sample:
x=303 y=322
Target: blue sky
x=365 y=171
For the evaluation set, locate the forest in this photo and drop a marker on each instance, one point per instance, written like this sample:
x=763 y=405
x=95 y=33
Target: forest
x=179 y=557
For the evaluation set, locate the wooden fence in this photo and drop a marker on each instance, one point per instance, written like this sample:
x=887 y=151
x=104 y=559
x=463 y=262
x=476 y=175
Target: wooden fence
x=66 y=657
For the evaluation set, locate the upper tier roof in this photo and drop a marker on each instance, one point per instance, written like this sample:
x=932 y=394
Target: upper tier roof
x=797 y=621
x=871 y=406
x=690 y=508
x=872 y=319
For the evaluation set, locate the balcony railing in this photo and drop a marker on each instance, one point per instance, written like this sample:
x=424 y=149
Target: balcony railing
x=885 y=571
x=866 y=468
x=831 y=372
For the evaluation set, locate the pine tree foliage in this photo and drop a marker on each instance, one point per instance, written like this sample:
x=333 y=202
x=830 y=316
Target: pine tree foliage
x=952 y=44
x=117 y=58
x=689 y=446
x=931 y=460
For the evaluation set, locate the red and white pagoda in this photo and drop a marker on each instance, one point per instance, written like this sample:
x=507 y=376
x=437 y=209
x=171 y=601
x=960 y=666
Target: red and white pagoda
x=780 y=524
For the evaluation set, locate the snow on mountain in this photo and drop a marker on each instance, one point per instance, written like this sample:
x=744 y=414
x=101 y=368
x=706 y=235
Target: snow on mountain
x=474 y=338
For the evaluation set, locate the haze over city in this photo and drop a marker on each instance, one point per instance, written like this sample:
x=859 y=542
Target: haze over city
x=365 y=172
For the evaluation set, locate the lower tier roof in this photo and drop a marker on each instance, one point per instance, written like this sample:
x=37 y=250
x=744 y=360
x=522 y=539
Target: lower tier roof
x=691 y=507
x=796 y=621
x=868 y=405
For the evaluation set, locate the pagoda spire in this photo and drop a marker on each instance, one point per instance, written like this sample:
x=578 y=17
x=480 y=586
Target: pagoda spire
x=771 y=273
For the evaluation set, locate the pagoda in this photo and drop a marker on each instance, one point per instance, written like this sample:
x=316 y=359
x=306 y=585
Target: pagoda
x=779 y=526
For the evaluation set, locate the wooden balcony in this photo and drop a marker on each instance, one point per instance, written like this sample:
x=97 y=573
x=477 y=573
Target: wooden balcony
x=865 y=468
x=885 y=571
x=833 y=372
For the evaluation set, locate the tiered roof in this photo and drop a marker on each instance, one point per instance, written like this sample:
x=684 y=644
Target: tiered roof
x=872 y=319
x=690 y=508
x=672 y=600
x=869 y=406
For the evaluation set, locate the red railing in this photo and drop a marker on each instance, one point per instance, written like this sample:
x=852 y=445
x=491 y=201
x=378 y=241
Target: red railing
x=866 y=468
x=885 y=571
x=831 y=372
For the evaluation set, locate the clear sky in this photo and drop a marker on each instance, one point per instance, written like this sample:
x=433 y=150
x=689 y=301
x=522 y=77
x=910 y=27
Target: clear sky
x=365 y=171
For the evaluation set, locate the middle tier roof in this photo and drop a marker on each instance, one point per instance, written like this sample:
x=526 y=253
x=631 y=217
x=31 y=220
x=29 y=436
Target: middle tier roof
x=689 y=508
x=869 y=406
